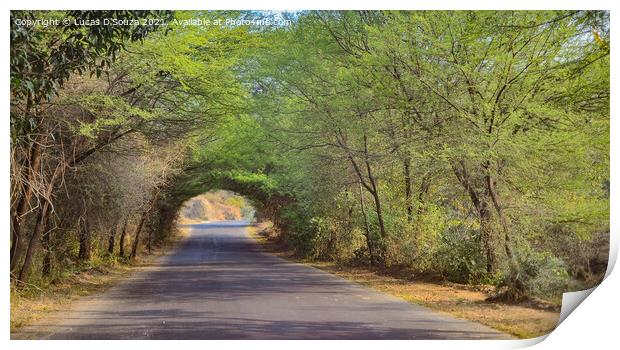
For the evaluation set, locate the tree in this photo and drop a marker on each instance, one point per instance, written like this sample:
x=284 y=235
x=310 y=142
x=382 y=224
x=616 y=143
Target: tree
x=41 y=62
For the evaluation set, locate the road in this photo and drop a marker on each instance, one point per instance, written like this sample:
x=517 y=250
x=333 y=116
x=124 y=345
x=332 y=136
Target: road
x=218 y=284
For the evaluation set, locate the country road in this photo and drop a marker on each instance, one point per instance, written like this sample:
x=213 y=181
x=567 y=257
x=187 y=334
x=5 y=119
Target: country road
x=218 y=284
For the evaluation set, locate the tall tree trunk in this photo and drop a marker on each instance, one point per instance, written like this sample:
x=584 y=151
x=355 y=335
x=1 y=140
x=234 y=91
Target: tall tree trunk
x=46 y=241
x=517 y=289
x=371 y=183
x=484 y=215
x=424 y=188
x=121 y=241
x=407 y=180
x=379 y=212
x=423 y=192
x=150 y=238
x=84 y=252
x=491 y=183
x=112 y=238
x=39 y=224
x=378 y=209
x=166 y=221
x=32 y=166
x=136 y=239
x=375 y=190
x=488 y=236
x=33 y=244
x=366 y=226
x=143 y=217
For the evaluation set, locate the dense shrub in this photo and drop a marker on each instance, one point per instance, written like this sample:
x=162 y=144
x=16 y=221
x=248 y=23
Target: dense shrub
x=459 y=255
x=545 y=275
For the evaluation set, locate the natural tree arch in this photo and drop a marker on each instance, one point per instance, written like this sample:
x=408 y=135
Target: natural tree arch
x=471 y=145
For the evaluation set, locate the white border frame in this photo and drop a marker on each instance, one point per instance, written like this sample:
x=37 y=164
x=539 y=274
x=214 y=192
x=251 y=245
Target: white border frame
x=593 y=324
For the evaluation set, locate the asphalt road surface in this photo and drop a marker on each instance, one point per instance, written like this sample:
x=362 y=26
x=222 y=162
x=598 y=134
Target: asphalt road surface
x=218 y=284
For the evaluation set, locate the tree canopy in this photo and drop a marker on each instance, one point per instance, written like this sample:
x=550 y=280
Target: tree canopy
x=469 y=144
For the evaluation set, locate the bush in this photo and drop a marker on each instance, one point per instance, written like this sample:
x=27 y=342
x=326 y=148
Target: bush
x=545 y=275
x=303 y=235
x=459 y=255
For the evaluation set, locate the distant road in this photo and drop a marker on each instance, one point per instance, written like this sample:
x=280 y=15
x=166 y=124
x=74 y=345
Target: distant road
x=218 y=284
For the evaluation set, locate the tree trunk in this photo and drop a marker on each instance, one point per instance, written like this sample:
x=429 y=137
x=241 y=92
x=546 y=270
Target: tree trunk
x=47 y=258
x=379 y=212
x=371 y=184
x=136 y=240
x=366 y=226
x=121 y=241
x=484 y=216
x=375 y=190
x=166 y=221
x=422 y=194
x=490 y=182
x=424 y=188
x=36 y=234
x=150 y=239
x=377 y=200
x=145 y=213
x=33 y=244
x=407 y=180
x=517 y=290
x=488 y=236
x=112 y=238
x=84 y=253
x=18 y=217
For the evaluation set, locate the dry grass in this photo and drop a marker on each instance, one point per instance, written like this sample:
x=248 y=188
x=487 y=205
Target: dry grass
x=462 y=301
x=32 y=303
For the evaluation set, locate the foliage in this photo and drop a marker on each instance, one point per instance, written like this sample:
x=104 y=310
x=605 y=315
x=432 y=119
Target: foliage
x=469 y=144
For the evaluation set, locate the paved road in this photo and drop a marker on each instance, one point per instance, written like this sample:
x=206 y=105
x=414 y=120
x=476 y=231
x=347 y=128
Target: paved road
x=218 y=284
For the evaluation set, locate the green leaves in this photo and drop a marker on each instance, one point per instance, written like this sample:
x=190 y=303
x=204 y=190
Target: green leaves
x=496 y=90
x=43 y=59
x=105 y=112
x=469 y=129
